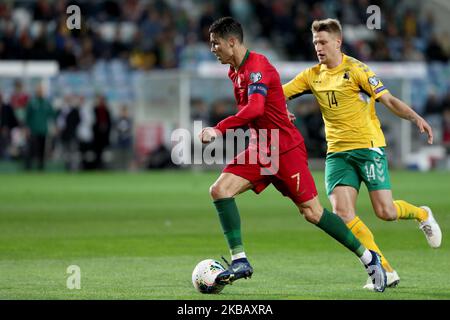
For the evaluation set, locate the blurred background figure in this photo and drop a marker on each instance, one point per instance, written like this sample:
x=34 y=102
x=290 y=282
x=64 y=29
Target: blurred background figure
x=446 y=129
x=124 y=139
x=68 y=121
x=39 y=113
x=8 y=121
x=19 y=100
x=200 y=112
x=85 y=136
x=309 y=122
x=101 y=130
x=220 y=109
x=433 y=105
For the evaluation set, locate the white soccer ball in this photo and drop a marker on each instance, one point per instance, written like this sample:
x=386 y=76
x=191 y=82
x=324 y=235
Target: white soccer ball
x=204 y=276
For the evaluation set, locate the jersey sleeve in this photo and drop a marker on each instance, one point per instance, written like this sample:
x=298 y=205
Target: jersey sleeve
x=253 y=110
x=370 y=83
x=297 y=86
x=259 y=79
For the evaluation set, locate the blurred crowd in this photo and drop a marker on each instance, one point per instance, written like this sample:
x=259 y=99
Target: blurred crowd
x=84 y=135
x=149 y=34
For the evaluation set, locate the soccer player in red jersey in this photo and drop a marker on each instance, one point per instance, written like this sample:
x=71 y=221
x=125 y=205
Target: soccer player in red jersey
x=262 y=106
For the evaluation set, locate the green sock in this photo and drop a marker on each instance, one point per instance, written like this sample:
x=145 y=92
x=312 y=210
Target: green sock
x=231 y=223
x=335 y=227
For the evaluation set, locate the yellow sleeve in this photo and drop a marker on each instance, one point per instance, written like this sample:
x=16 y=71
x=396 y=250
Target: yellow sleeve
x=370 y=83
x=297 y=86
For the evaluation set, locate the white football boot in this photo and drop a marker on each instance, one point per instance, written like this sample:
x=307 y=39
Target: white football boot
x=392 y=281
x=377 y=274
x=431 y=229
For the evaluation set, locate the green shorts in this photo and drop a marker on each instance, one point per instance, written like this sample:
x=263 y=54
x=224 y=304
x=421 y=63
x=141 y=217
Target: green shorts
x=349 y=168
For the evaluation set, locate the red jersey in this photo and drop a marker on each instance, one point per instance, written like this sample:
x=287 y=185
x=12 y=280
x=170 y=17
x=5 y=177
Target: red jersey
x=261 y=104
x=19 y=100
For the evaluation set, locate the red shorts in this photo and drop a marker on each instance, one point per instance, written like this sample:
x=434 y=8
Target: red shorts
x=293 y=178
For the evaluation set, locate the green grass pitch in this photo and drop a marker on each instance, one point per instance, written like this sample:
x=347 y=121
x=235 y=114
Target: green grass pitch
x=139 y=236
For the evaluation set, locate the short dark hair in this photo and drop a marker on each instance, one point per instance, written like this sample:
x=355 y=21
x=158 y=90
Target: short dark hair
x=227 y=26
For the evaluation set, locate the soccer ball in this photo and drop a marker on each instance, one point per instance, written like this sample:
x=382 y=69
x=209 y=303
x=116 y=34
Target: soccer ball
x=204 y=276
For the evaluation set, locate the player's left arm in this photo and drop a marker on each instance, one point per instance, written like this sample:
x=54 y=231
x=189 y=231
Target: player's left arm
x=402 y=110
x=374 y=87
x=254 y=109
x=259 y=81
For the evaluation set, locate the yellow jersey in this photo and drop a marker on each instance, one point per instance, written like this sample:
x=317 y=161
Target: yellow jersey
x=350 y=119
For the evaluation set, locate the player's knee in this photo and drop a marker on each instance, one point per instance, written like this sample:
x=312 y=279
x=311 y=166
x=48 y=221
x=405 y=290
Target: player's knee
x=217 y=191
x=311 y=215
x=386 y=212
x=214 y=191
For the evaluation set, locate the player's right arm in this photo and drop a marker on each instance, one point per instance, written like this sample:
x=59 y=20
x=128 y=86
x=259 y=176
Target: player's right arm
x=297 y=86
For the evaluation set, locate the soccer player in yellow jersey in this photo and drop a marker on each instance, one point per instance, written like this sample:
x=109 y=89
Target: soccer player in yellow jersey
x=355 y=140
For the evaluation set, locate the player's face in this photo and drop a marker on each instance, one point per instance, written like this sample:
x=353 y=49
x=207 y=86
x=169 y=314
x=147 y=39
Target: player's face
x=221 y=48
x=327 y=45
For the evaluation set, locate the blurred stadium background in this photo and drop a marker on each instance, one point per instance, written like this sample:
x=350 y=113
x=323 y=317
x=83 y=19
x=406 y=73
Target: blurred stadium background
x=138 y=69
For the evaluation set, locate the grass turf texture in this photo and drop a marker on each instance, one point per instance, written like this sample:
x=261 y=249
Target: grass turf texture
x=139 y=236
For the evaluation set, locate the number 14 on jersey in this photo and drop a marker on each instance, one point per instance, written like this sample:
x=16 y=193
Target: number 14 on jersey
x=332 y=101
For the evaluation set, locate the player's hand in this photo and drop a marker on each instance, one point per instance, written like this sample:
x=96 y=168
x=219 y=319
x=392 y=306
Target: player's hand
x=208 y=134
x=291 y=116
x=425 y=127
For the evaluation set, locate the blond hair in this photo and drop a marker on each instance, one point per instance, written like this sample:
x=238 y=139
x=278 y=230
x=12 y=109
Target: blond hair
x=328 y=25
